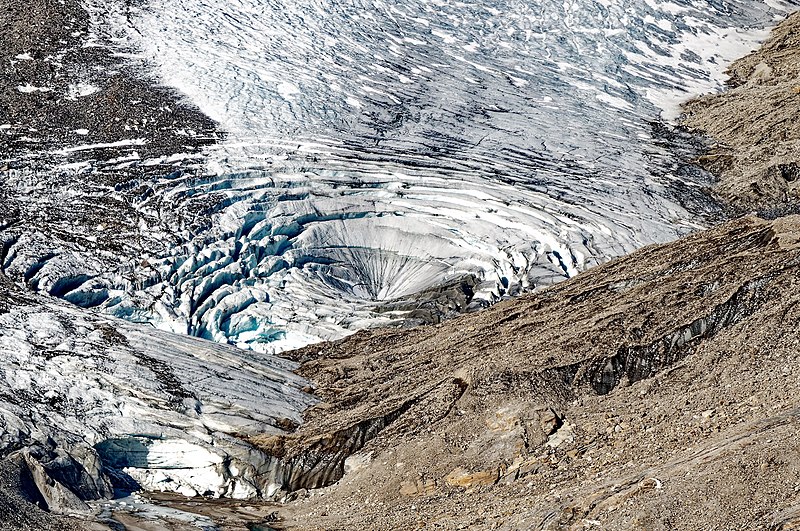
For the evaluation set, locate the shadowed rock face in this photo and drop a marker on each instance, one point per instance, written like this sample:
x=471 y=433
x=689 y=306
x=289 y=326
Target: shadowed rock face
x=22 y=506
x=753 y=127
x=675 y=362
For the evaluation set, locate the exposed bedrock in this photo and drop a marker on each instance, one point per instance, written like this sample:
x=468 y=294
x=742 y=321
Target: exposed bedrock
x=322 y=459
x=634 y=362
x=23 y=505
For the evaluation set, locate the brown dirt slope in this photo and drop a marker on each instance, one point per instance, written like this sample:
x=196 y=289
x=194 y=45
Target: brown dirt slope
x=658 y=391
x=756 y=154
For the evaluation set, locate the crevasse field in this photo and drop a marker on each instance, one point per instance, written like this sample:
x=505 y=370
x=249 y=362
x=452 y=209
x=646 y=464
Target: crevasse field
x=377 y=149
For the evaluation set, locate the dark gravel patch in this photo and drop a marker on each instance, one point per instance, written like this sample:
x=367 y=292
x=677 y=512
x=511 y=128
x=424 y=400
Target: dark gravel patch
x=42 y=47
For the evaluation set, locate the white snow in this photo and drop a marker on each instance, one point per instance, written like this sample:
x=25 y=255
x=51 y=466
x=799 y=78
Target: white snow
x=81 y=90
x=77 y=167
x=287 y=90
x=147 y=510
x=716 y=48
x=87 y=147
x=30 y=89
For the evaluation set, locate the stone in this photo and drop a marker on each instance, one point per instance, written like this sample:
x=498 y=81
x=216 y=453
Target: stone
x=417 y=488
x=357 y=462
x=573 y=454
x=59 y=499
x=549 y=421
x=565 y=434
x=503 y=420
x=470 y=480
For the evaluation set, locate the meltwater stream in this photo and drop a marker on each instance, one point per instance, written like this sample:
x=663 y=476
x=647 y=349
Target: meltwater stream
x=378 y=148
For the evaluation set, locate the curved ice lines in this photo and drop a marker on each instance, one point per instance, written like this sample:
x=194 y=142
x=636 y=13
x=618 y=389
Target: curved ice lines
x=379 y=148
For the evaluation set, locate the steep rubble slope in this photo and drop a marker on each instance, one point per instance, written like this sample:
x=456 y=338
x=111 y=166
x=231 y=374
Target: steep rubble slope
x=656 y=391
x=92 y=404
x=753 y=126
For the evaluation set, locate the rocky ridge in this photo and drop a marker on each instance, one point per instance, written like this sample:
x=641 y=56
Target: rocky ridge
x=658 y=391
x=755 y=138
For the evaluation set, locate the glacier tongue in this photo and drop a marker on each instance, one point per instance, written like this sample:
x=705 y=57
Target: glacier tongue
x=101 y=399
x=295 y=258
x=377 y=149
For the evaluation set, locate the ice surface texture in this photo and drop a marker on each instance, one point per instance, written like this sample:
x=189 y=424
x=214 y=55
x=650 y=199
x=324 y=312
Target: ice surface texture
x=378 y=148
x=171 y=413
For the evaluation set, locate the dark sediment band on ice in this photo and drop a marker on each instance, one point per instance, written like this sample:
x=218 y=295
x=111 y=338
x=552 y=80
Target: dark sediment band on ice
x=83 y=127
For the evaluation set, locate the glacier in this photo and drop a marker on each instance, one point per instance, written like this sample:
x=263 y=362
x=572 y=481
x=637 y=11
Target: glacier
x=513 y=145
x=375 y=150
x=97 y=405
x=383 y=164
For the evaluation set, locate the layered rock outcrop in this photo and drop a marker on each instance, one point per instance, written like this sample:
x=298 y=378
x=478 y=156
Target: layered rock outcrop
x=656 y=391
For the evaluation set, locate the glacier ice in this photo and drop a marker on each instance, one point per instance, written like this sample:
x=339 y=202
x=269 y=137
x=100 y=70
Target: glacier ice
x=377 y=149
x=165 y=412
